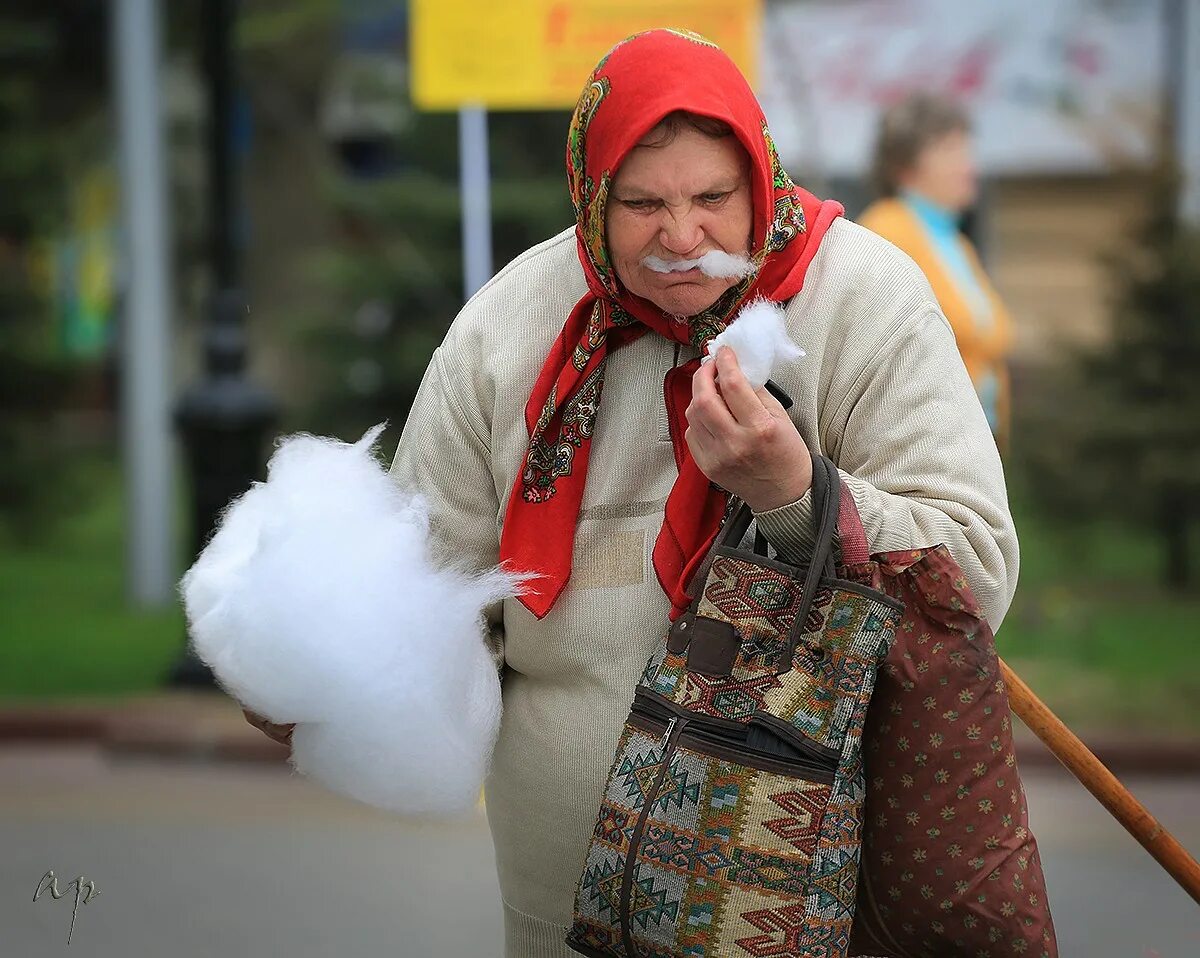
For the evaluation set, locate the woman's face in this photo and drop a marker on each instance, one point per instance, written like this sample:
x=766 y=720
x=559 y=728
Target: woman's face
x=679 y=201
x=944 y=172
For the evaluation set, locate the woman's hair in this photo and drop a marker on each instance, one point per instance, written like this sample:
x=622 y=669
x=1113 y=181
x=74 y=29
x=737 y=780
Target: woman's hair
x=669 y=126
x=907 y=128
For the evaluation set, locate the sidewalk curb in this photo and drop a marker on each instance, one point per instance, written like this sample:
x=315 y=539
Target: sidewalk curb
x=1120 y=756
x=197 y=726
x=209 y=726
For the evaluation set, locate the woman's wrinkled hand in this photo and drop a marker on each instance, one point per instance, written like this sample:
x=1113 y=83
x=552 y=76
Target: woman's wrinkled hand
x=743 y=439
x=281 y=733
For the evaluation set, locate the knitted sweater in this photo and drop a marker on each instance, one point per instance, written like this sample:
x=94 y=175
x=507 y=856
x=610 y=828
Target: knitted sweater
x=882 y=392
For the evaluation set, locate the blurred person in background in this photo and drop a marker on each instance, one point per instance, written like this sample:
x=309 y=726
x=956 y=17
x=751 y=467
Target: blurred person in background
x=925 y=173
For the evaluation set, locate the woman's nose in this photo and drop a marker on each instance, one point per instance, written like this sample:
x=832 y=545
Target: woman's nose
x=680 y=234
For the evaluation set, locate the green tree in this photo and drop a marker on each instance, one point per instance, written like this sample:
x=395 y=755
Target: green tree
x=388 y=280
x=1119 y=432
x=50 y=90
x=396 y=267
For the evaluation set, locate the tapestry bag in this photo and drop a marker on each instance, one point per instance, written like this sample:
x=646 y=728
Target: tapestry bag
x=731 y=819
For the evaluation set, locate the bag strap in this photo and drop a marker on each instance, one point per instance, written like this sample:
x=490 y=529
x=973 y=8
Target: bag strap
x=760 y=542
x=827 y=497
x=826 y=512
x=851 y=534
x=736 y=525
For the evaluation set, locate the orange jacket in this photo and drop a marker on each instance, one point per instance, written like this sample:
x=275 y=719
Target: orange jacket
x=983 y=346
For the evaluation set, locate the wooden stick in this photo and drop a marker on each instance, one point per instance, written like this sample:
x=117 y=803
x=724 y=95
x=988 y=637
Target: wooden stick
x=1098 y=780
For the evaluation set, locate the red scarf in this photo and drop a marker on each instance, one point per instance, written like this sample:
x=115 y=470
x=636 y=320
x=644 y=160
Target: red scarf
x=635 y=85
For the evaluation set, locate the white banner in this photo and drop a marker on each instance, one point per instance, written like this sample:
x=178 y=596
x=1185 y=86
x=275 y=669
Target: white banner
x=1052 y=85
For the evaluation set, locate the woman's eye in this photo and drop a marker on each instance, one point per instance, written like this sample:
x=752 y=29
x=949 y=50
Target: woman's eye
x=639 y=204
x=713 y=197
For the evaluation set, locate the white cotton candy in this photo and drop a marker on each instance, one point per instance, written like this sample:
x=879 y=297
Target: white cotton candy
x=759 y=339
x=316 y=602
x=715 y=263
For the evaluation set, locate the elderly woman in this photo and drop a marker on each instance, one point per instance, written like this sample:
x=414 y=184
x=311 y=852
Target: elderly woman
x=566 y=425
x=925 y=173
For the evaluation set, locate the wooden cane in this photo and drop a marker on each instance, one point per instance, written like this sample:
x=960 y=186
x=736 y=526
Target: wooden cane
x=1098 y=780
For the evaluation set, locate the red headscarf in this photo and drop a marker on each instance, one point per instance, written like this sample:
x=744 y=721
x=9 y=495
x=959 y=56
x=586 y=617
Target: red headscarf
x=634 y=86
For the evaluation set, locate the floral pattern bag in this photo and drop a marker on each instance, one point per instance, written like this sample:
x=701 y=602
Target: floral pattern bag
x=731 y=820
x=950 y=866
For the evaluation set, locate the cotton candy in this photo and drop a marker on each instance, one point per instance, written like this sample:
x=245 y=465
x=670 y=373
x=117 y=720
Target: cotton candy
x=317 y=602
x=759 y=339
x=716 y=263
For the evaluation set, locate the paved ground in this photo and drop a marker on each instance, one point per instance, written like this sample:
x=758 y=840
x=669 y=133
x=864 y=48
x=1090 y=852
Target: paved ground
x=223 y=859
x=1109 y=898
x=200 y=860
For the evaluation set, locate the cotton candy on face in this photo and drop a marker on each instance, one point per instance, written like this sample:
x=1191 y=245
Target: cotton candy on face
x=716 y=263
x=759 y=339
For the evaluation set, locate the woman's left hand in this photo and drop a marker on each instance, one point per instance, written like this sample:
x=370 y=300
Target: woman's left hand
x=743 y=439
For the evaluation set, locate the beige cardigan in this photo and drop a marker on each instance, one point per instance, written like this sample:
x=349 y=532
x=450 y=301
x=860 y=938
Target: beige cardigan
x=882 y=392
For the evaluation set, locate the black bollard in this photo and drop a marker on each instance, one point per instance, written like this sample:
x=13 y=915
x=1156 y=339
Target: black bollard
x=224 y=421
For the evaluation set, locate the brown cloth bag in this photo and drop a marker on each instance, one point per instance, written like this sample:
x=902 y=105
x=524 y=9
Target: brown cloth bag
x=949 y=865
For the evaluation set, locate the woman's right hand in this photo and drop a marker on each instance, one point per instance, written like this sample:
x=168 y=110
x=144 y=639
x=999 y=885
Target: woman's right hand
x=279 y=733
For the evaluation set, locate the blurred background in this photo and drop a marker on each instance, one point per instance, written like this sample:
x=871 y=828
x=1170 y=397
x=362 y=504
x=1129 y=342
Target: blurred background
x=224 y=221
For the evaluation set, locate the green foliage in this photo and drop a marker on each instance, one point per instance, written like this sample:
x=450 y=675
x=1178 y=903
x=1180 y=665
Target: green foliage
x=1116 y=431
x=31 y=387
x=268 y=26
x=68 y=629
x=396 y=267
x=49 y=91
x=1092 y=630
x=388 y=282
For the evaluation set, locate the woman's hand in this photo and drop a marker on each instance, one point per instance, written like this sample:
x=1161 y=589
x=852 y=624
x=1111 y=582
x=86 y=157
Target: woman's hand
x=280 y=733
x=743 y=439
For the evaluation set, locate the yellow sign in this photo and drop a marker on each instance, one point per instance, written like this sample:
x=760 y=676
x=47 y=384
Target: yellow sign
x=537 y=54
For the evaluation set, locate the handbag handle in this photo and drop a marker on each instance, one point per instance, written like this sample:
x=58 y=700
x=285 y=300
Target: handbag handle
x=826 y=496
x=827 y=492
x=825 y=525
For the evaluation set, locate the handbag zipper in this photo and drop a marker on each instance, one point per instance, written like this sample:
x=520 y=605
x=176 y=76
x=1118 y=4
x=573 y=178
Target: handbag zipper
x=709 y=736
x=667 y=745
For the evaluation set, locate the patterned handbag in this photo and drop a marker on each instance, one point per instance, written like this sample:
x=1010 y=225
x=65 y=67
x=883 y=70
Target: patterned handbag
x=731 y=819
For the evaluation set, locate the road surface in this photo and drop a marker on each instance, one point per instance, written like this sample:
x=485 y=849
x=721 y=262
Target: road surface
x=201 y=860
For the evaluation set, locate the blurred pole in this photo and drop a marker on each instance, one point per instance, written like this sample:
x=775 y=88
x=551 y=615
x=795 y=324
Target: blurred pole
x=1187 y=118
x=475 y=190
x=1182 y=101
x=146 y=313
x=225 y=417
x=217 y=20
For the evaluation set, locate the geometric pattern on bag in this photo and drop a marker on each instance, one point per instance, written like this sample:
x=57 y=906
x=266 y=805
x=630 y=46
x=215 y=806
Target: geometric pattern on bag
x=731 y=819
x=950 y=866
x=760 y=603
